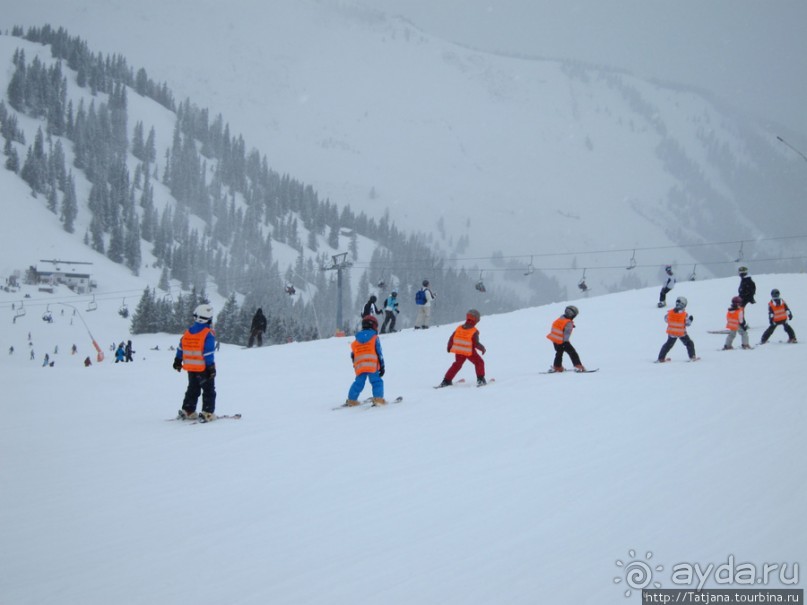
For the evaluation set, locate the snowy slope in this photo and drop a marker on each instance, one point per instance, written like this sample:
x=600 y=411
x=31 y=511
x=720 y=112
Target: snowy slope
x=523 y=157
x=526 y=491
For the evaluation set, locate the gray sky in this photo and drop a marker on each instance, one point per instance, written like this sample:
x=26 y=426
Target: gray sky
x=751 y=53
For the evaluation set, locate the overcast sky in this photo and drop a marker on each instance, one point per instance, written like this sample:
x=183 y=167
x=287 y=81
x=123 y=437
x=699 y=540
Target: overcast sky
x=752 y=53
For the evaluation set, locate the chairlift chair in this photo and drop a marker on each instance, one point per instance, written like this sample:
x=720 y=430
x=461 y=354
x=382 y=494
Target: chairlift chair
x=530 y=268
x=582 y=283
x=92 y=305
x=693 y=276
x=289 y=289
x=480 y=285
x=739 y=254
x=124 y=310
x=632 y=262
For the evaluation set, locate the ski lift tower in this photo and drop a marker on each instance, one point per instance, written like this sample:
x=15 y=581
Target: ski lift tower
x=340 y=263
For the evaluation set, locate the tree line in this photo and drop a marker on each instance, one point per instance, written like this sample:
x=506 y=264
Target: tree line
x=247 y=208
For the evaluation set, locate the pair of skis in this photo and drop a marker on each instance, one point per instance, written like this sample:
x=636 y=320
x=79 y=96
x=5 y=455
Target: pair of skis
x=369 y=400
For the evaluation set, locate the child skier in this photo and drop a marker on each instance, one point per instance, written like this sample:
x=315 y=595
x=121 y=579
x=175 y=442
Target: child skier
x=368 y=362
x=464 y=343
x=778 y=315
x=560 y=334
x=677 y=321
x=735 y=324
x=669 y=284
x=195 y=355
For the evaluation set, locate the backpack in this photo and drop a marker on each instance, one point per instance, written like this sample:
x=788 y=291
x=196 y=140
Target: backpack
x=420 y=297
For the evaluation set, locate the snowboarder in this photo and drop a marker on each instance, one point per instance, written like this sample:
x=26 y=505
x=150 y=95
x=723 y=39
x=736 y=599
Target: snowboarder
x=196 y=355
x=747 y=288
x=370 y=308
x=560 y=334
x=128 y=352
x=390 y=311
x=257 y=328
x=464 y=343
x=368 y=362
x=677 y=321
x=735 y=324
x=423 y=300
x=778 y=315
x=669 y=284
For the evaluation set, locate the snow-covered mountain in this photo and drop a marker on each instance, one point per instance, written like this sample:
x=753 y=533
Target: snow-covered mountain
x=536 y=489
x=547 y=164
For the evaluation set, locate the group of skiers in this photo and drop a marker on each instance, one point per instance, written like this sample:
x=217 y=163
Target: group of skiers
x=423 y=300
x=197 y=347
x=678 y=319
x=124 y=352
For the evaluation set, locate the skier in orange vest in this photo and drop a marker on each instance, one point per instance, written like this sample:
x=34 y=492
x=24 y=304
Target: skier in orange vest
x=560 y=334
x=677 y=321
x=368 y=362
x=778 y=315
x=196 y=355
x=735 y=324
x=464 y=343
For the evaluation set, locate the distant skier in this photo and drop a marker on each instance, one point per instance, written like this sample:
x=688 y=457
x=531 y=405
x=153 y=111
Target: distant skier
x=390 y=311
x=677 y=322
x=257 y=328
x=128 y=352
x=368 y=363
x=778 y=315
x=669 y=284
x=735 y=324
x=120 y=353
x=370 y=308
x=196 y=355
x=747 y=288
x=560 y=335
x=423 y=300
x=464 y=343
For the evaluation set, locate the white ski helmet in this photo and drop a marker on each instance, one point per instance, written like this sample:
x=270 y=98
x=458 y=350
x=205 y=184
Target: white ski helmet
x=203 y=313
x=681 y=302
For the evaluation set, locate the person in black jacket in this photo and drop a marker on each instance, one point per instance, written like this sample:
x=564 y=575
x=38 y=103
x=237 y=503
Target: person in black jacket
x=370 y=307
x=747 y=288
x=257 y=329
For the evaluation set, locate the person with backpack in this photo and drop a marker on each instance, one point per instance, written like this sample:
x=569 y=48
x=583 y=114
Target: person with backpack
x=196 y=355
x=778 y=315
x=368 y=363
x=423 y=300
x=677 y=322
x=669 y=284
x=735 y=324
x=390 y=311
x=257 y=329
x=560 y=335
x=464 y=343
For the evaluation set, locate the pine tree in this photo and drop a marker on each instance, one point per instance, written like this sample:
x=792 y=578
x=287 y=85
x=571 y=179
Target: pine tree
x=69 y=205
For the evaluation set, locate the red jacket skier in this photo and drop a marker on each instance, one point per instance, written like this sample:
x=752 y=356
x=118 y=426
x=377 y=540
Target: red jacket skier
x=464 y=343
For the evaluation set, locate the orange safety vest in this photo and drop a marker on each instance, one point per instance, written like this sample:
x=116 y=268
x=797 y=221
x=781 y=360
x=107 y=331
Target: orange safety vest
x=733 y=319
x=779 y=311
x=365 y=359
x=676 y=323
x=463 y=341
x=193 y=347
x=558 y=327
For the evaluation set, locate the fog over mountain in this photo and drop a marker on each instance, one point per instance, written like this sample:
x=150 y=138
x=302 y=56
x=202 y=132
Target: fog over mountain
x=514 y=157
